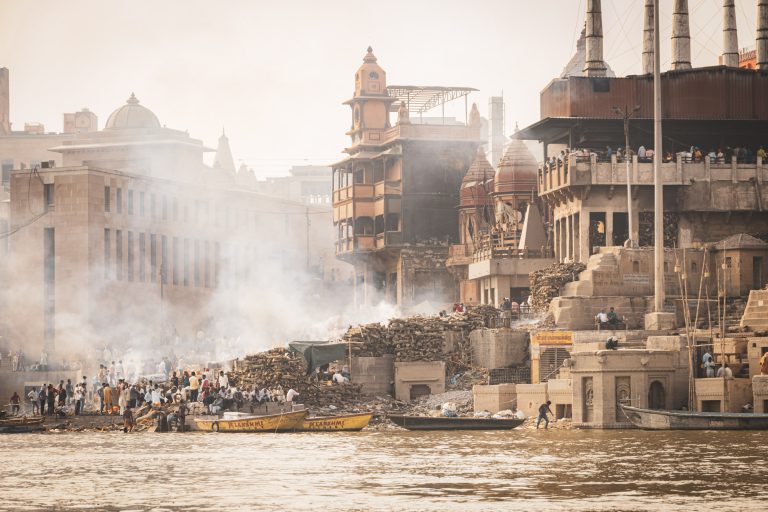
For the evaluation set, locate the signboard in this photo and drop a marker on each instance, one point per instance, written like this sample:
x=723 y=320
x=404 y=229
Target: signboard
x=552 y=338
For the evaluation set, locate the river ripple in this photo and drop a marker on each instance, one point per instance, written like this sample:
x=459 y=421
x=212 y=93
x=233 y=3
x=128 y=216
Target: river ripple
x=467 y=471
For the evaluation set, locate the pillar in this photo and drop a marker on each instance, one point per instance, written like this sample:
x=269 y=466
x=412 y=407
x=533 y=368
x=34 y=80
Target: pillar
x=681 y=37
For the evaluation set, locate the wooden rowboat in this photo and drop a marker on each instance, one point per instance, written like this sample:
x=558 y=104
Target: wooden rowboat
x=443 y=423
x=342 y=423
x=21 y=424
x=284 y=422
x=651 y=419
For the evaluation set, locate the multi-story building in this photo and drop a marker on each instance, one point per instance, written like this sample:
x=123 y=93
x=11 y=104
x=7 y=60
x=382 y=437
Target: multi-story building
x=134 y=238
x=395 y=194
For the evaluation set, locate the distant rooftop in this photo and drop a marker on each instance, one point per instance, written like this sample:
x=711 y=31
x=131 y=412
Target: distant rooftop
x=422 y=98
x=741 y=241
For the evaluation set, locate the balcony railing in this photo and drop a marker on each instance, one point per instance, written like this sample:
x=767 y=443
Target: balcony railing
x=356 y=191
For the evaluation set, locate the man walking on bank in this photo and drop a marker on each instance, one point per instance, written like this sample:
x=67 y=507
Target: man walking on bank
x=543 y=410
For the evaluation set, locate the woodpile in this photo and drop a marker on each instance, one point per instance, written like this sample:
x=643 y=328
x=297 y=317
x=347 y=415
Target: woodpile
x=547 y=282
x=371 y=340
x=417 y=338
x=279 y=367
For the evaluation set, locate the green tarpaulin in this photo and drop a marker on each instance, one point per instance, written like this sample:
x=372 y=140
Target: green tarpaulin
x=318 y=353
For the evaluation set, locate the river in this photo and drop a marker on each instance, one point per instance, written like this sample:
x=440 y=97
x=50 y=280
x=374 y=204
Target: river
x=388 y=470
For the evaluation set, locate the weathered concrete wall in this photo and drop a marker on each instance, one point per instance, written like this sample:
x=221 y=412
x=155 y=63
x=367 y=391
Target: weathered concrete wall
x=494 y=398
x=579 y=313
x=756 y=314
x=739 y=393
x=760 y=393
x=756 y=347
x=376 y=374
x=530 y=397
x=408 y=375
x=498 y=348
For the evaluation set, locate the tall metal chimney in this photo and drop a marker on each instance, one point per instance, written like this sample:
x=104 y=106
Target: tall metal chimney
x=681 y=36
x=762 y=34
x=648 y=38
x=594 y=64
x=730 y=40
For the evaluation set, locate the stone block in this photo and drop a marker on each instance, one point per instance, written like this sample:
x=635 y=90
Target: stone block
x=659 y=321
x=376 y=374
x=494 y=398
x=530 y=397
x=665 y=343
x=498 y=348
x=414 y=379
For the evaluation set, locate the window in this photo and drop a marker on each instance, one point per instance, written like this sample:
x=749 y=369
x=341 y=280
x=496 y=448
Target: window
x=142 y=257
x=175 y=268
x=728 y=262
x=152 y=257
x=164 y=259
x=7 y=167
x=130 y=255
x=206 y=264
x=48 y=192
x=175 y=209
x=107 y=194
x=118 y=254
x=694 y=267
x=153 y=206
x=107 y=252
x=165 y=208
x=186 y=262
x=216 y=265
x=130 y=202
x=141 y=204
x=119 y=199
x=197 y=262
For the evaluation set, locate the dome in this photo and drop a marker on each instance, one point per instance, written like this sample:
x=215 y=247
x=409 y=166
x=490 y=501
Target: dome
x=477 y=183
x=518 y=170
x=131 y=116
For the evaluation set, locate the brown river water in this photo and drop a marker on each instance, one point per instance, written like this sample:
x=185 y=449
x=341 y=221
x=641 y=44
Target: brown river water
x=388 y=470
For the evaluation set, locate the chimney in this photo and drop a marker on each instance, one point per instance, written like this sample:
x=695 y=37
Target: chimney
x=681 y=36
x=648 y=38
x=762 y=34
x=730 y=40
x=594 y=64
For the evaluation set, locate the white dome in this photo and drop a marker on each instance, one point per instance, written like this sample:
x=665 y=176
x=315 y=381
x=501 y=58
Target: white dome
x=131 y=116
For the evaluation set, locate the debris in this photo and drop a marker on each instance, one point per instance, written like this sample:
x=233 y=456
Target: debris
x=547 y=283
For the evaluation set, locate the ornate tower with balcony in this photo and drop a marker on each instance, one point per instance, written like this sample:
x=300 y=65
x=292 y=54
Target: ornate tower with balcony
x=370 y=103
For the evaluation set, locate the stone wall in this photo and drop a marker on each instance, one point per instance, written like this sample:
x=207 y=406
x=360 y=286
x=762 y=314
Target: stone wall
x=498 y=348
x=376 y=374
x=494 y=398
x=414 y=377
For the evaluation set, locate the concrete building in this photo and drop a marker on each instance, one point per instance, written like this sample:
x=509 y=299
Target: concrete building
x=133 y=237
x=308 y=184
x=394 y=195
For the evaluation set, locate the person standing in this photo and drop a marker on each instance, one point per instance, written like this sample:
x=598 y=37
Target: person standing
x=223 y=380
x=292 y=393
x=543 y=410
x=42 y=397
x=122 y=397
x=127 y=420
x=15 y=403
x=51 y=396
x=107 y=393
x=70 y=391
x=32 y=397
x=194 y=387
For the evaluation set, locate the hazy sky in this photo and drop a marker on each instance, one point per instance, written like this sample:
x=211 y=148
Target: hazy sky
x=274 y=73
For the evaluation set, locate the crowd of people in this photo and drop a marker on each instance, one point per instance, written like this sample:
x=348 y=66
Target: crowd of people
x=644 y=154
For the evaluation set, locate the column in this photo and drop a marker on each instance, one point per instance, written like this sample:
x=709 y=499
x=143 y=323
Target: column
x=608 y=228
x=568 y=236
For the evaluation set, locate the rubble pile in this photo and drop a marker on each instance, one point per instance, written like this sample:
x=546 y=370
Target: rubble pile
x=547 y=282
x=371 y=340
x=417 y=338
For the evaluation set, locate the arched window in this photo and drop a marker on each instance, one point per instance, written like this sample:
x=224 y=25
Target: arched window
x=635 y=267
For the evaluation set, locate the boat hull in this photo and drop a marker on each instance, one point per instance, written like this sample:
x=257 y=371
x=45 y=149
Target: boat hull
x=443 y=423
x=286 y=422
x=343 y=423
x=21 y=425
x=650 y=419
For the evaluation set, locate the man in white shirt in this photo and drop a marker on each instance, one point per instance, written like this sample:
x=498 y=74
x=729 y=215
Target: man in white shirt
x=602 y=317
x=338 y=378
x=223 y=380
x=292 y=393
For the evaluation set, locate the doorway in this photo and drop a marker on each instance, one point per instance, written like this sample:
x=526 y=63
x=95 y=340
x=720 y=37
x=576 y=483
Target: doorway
x=620 y=228
x=419 y=390
x=656 y=397
x=757 y=272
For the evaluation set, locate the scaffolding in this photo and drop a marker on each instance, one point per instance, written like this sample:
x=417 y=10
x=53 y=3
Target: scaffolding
x=419 y=99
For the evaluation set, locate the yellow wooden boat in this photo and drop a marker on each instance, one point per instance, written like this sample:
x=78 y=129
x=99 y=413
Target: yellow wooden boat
x=342 y=423
x=285 y=422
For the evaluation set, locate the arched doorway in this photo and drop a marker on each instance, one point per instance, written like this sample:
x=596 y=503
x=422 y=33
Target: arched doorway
x=656 y=396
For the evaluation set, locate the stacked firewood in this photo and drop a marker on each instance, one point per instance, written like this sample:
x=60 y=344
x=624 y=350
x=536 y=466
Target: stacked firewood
x=371 y=340
x=417 y=338
x=279 y=367
x=547 y=283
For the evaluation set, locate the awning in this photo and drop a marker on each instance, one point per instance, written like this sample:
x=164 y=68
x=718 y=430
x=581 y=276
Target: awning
x=319 y=353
